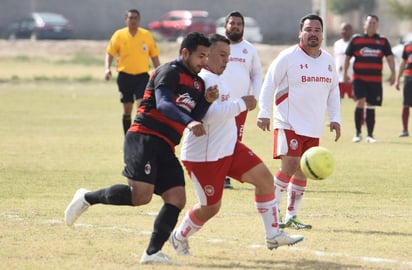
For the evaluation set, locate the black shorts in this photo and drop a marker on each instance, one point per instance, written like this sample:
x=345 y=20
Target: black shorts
x=372 y=91
x=131 y=87
x=407 y=91
x=150 y=159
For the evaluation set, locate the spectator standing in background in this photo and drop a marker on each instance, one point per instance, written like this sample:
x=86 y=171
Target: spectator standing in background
x=405 y=69
x=243 y=73
x=134 y=46
x=339 y=48
x=368 y=49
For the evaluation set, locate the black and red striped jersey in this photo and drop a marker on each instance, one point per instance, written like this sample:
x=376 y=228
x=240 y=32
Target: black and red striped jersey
x=187 y=103
x=368 y=52
x=407 y=56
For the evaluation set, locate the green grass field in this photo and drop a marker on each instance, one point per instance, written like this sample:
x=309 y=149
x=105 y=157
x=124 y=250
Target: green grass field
x=57 y=135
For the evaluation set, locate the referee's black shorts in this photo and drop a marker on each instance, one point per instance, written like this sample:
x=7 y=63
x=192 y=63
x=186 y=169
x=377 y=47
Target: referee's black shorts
x=131 y=87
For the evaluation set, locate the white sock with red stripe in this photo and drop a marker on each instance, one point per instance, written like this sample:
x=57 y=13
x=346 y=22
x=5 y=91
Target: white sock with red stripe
x=189 y=225
x=281 y=185
x=268 y=210
x=296 y=190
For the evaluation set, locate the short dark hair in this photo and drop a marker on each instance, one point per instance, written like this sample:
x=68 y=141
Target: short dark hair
x=133 y=10
x=192 y=40
x=214 y=38
x=372 y=16
x=235 y=14
x=311 y=17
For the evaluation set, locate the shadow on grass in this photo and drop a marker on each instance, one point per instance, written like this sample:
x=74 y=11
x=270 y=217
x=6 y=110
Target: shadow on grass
x=224 y=263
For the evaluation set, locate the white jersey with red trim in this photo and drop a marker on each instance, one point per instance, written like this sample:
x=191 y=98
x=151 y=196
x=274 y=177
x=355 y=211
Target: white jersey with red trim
x=339 y=49
x=219 y=123
x=302 y=89
x=243 y=73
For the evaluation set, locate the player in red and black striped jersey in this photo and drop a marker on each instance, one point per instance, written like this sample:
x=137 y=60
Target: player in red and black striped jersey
x=175 y=98
x=405 y=69
x=368 y=49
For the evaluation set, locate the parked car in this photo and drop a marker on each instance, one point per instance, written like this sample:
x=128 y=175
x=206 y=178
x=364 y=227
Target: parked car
x=41 y=25
x=175 y=24
x=251 y=31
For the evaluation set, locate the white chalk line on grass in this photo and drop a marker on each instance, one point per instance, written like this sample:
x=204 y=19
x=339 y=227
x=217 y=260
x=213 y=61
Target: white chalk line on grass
x=14 y=216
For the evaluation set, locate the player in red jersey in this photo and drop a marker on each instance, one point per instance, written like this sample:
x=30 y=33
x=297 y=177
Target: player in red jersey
x=405 y=69
x=368 y=49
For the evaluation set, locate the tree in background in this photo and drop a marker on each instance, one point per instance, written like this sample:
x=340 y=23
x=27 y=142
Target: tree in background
x=401 y=8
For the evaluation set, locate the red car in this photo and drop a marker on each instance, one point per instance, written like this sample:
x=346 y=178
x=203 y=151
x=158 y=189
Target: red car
x=175 y=24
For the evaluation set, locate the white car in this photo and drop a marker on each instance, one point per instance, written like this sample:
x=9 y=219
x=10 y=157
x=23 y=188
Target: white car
x=251 y=31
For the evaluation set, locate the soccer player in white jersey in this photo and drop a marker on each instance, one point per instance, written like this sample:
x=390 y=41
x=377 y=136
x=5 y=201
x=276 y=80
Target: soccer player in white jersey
x=219 y=153
x=339 y=49
x=302 y=82
x=243 y=73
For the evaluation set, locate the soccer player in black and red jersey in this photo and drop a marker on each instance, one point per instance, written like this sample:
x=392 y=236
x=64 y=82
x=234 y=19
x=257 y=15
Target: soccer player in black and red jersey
x=405 y=69
x=175 y=98
x=368 y=49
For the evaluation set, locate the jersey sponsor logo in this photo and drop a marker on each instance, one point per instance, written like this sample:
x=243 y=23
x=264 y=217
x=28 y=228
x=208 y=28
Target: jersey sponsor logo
x=185 y=101
x=318 y=79
x=147 y=168
x=369 y=52
x=209 y=190
x=237 y=59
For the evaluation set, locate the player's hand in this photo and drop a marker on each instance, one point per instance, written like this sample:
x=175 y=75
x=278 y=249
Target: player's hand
x=391 y=79
x=212 y=93
x=263 y=124
x=335 y=127
x=250 y=102
x=197 y=128
x=397 y=85
x=107 y=75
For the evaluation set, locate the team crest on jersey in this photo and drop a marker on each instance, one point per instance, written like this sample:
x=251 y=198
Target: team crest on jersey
x=245 y=51
x=147 y=168
x=144 y=48
x=302 y=66
x=330 y=68
x=293 y=144
x=196 y=85
x=209 y=190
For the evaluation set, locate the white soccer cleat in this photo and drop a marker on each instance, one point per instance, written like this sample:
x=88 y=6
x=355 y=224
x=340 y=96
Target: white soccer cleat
x=283 y=239
x=76 y=207
x=158 y=257
x=181 y=246
x=370 y=139
x=357 y=138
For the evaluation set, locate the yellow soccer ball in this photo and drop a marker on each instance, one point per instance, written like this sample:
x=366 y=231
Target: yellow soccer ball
x=317 y=163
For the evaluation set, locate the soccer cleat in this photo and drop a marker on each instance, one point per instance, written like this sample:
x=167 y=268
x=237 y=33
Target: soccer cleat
x=295 y=223
x=158 y=257
x=283 y=239
x=370 y=139
x=404 y=134
x=76 y=207
x=181 y=246
x=228 y=185
x=357 y=138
